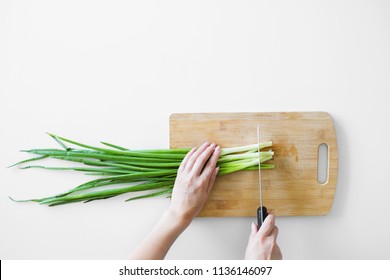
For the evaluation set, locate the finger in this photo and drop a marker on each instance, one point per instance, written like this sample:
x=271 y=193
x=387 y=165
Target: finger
x=194 y=156
x=210 y=165
x=253 y=232
x=253 y=229
x=212 y=180
x=268 y=225
x=202 y=159
x=185 y=160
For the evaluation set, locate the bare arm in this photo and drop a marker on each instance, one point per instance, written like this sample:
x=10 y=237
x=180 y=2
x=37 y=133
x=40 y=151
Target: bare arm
x=195 y=179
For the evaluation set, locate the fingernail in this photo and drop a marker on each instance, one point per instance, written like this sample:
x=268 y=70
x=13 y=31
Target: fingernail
x=217 y=169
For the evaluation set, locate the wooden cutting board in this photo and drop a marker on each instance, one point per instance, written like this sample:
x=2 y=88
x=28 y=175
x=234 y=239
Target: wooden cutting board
x=292 y=188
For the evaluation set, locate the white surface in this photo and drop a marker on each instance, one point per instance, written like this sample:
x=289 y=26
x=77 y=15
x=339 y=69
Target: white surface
x=116 y=70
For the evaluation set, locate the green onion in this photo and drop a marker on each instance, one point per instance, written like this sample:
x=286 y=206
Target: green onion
x=151 y=171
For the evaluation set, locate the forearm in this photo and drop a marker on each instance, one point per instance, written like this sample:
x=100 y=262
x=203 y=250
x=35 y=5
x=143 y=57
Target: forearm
x=157 y=243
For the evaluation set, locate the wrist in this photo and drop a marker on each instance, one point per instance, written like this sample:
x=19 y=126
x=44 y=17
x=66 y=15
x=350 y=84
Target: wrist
x=178 y=218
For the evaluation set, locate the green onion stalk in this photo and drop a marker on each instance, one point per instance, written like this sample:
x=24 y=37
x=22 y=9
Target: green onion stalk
x=121 y=170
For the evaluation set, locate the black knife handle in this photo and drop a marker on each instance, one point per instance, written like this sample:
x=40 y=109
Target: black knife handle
x=261 y=212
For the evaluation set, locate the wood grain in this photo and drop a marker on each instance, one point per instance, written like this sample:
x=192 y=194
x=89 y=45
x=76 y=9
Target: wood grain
x=291 y=189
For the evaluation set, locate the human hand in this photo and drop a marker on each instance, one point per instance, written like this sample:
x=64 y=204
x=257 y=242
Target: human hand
x=262 y=243
x=195 y=179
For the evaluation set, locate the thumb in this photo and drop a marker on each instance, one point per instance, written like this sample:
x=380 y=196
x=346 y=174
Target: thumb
x=268 y=225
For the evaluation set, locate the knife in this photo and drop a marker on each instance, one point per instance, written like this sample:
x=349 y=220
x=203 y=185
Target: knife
x=262 y=210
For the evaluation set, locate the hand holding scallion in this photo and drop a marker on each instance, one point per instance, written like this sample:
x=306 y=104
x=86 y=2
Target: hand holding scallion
x=195 y=179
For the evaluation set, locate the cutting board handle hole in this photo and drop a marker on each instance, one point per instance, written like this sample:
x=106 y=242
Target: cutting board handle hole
x=322 y=167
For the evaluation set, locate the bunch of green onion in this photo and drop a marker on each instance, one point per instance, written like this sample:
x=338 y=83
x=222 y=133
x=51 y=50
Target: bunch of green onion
x=134 y=170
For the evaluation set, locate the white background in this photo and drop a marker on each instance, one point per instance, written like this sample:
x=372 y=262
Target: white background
x=116 y=70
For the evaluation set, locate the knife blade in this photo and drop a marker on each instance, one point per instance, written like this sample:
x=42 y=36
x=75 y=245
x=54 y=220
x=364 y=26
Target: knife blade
x=262 y=210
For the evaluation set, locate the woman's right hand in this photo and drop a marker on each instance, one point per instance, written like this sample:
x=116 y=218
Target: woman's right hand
x=262 y=243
